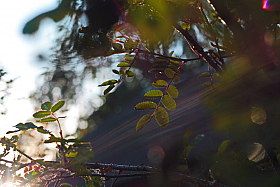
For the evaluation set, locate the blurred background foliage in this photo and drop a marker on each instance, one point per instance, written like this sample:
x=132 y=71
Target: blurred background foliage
x=243 y=110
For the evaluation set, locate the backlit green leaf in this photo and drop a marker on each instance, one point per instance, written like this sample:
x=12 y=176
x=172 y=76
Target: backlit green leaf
x=204 y=75
x=185 y=26
x=161 y=117
x=73 y=154
x=128 y=58
x=146 y=105
x=123 y=64
x=58 y=106
x=160 y=84
x=176 y=79
x=168 y=102
x=41 y=114
x=172 y=91
x=171 y=53
x=153 y=94
x=109 y=82
x=169 y=72
x=143 y=121
x=46 y=106
x=47 y=120
x=129 y=73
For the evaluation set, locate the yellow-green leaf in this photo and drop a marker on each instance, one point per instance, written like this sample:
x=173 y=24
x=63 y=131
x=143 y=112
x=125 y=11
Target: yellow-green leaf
x=123 y=64
x=172 y=91
x=168 y=102
x=41 y=114
x=143 y=121
x=153 y=94
x=160 y=84
x=57 y=106
x=185 y=26
x=129 y=73
x=216 y=75
x=128 y=58
x=171 y=53
x=109 y=82
x=146 y=105
x=47 y=120
x=161 y=117
x=204 y=75
x=176 y=79
x=169 y=72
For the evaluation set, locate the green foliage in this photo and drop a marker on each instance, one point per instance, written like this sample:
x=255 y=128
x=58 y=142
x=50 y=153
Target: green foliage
x=168 y=102
x=153 y=94
x=146 y=105
x=172 y=91
x=162 y=117
x=143 y=121
x=160 y=84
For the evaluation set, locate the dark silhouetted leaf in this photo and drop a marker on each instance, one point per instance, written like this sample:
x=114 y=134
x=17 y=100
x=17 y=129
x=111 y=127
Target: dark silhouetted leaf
x=161 y=117
x=176 y=79
x=187 y=135
x=168 y=102
x=54 y=139
x=172 y=91
x=153 y=94
x=46 y=106
x=115 y=71
x=118 y=47
x=41 y=114
x=47 y=120
x=109 y=82
x=143 y=121
x=42 y=130
x=204 y=74
x=129 y=73
x=197 y=139
x=123 y=64
x=171 y=53
x=58 y=106
x=160 y=84
x=169 y=72
x=146 y=105
x=26 y=126
x=107 y=90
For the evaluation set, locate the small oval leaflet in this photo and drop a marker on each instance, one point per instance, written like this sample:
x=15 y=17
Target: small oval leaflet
x=123 y=64
x=128 y=58
x=146 y=105
x=46 y=106
x=129 y=73
x=153 y=94
x=172 y=91
x=161 y=117
x=223 y=146
x=168 y=102
x=207 y=84
x=204 y=75
x=176 y=79
x=143 y=121
x=160 y=84
x=107 y=90
x=115 y=71
x=47 y=120
x=41 y=114
x=58 y=106
x=169 y=72
x=109 y=82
